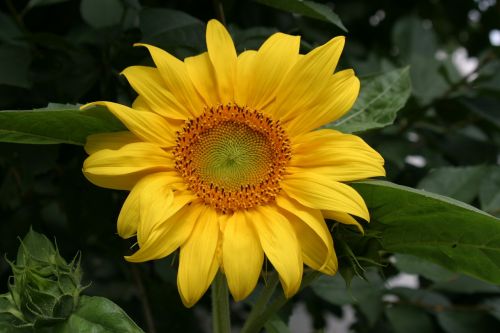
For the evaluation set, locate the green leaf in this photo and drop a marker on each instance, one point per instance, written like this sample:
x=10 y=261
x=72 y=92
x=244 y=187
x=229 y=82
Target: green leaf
x=489 y=192
x=462 y=284
x=417 y=47
x=14 y=65
x=409 y=319
x=461 y=183
x=466 y=321
x=366 y=294
x=380 y=98
x=39 y=3
x=415 y=265
x=102 y=13
x=433 y=227
x=307 y=8
x=55 y=125
x=97 y=315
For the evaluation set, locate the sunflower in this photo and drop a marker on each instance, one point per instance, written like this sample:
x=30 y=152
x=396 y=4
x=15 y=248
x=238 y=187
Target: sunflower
x=224 y=160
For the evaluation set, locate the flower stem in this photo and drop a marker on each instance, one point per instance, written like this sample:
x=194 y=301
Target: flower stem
x=262 y=312
x=221 y=320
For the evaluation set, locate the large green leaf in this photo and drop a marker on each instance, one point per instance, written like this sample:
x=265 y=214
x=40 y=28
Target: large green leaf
x=380 y=98
x=97 y=315
x=461 y=183
x=436 y=228
x=307 y=8
x=55 y=124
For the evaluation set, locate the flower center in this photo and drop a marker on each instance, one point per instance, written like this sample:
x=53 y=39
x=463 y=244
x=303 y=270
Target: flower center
x=232 y=157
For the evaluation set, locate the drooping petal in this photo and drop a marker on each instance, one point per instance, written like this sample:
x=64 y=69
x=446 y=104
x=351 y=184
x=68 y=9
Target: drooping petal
x=223 y=56
x=305 y=81
x=341 y=157
x=131 y=211
x=336 y=99
x=320 y=192
x=202 y=75
x=198 y=259
x=279 y=241
x=242 y=255
x=148 y=126
x=176 y=79
x=244 y=73
x=314 y=252
x=169 y=236
x=343 y=218
x=121 y=169
x=149 y=84
x=273 y=61
x=113 y=140
x=311 y=217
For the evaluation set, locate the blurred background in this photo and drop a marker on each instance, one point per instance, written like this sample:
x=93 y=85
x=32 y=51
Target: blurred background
x=445 y=140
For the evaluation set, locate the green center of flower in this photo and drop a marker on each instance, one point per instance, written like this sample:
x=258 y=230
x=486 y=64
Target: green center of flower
x=232 y=157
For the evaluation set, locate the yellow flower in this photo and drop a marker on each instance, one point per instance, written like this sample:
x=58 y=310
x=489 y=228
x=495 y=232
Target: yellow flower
x=221 y=161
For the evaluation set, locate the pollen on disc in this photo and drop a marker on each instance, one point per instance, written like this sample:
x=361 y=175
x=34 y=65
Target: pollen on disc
x=232 y=157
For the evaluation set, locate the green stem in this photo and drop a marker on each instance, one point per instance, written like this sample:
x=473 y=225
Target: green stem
x=261 y=312
x=221 y=320
x=259 y=306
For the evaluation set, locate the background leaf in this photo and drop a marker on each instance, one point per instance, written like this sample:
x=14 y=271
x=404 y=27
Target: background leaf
x=458 y=183
x=311 y=9
x=380 y=98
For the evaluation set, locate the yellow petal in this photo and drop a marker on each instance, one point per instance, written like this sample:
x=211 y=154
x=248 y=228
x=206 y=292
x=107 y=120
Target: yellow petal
x=157 y=201
x=140 y=104
x=311 y=217
x=156 y=214
x=114 y=140
x=279 y=241
x=202 y=75
x=342 y=218
x=145 y=125
x=149 y=84
x=132 y=208
x=121 y=169
x=242 y=256
x=320 y=192
x=176 y=78
x=223 y=57
x=244 y=74
x=341 y=157
x=197 y=258
x=314 y=252
x=305 y=81
x=335 y=100
x=169 y=236
x=273 y=61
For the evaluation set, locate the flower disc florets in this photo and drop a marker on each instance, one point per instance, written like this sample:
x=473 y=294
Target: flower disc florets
x=232 y=157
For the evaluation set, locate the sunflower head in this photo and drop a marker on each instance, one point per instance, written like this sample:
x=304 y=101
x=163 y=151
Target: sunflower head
x=225 y=163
